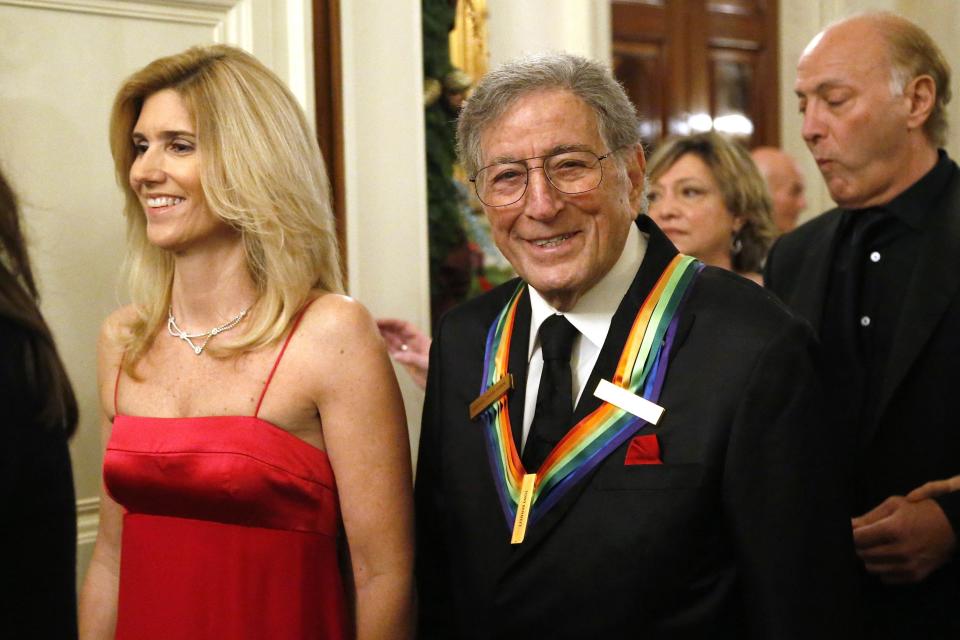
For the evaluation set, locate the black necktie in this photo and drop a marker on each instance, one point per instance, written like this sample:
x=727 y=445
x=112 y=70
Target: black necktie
x=554 y=409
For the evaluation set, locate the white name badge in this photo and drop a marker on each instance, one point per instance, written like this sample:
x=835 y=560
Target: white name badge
x=620 y=397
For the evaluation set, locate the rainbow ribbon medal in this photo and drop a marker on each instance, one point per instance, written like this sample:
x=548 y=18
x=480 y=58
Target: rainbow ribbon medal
x=524 y=496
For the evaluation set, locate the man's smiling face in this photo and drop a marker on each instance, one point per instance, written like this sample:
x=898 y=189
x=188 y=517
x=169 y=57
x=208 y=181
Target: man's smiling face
x=561 y=244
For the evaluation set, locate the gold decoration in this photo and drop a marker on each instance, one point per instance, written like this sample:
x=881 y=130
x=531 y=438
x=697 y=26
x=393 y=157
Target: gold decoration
x=432 y=90
x=468 y=40
x=457 y=81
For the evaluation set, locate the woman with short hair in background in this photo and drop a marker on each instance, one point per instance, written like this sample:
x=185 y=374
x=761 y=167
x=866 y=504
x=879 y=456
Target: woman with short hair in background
x=39 y=535
x=250 y=410
x=707 y=195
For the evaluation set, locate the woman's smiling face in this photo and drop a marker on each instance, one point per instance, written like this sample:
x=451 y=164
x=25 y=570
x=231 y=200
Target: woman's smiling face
x=165 y=175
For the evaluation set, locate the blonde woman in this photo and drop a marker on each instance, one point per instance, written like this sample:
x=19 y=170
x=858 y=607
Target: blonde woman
x=250 y=413
x=708 y=196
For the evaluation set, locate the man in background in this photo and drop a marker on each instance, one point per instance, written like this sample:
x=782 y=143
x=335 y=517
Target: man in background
x=786 y=184
x=879 y=280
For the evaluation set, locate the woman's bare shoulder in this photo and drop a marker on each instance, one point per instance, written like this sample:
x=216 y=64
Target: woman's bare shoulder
x=340 y=335
x=339 y=317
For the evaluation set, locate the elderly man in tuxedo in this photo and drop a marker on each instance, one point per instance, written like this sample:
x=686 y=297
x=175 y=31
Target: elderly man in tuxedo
x=879 y=280
x=622 y=442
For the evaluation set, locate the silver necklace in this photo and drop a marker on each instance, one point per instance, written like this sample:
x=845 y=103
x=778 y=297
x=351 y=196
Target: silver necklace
x=177 y=332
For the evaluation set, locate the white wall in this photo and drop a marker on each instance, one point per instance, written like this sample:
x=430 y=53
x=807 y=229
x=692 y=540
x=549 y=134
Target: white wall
x=576 y=26
x=385 y=169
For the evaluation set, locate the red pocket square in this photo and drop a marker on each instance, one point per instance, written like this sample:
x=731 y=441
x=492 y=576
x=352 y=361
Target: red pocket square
x=643 y=450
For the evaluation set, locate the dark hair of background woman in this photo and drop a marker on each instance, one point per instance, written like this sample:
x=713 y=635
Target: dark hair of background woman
x=55 y=406
x=38 y=581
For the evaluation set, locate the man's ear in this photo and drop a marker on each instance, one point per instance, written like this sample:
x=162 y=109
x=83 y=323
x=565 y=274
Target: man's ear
x=636 y=170
x=922 y=94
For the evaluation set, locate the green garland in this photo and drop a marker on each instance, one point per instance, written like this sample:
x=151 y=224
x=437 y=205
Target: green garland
x=445 y=231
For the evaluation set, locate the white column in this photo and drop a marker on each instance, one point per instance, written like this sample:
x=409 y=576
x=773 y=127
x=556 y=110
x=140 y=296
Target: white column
x=384 y=163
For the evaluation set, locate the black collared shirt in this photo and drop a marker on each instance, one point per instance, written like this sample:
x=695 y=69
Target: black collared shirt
x=874 y=256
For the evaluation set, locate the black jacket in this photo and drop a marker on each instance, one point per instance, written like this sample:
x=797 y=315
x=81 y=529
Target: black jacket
x=915 y=435
x=740 y=533
x=38 y=578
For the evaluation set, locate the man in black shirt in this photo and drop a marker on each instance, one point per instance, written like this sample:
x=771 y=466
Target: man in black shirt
x=879 y=280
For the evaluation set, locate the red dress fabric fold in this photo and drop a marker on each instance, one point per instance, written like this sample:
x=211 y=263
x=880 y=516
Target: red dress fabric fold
x=230 y=531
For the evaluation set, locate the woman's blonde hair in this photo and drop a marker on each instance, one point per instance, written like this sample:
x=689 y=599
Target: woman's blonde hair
x=744 y=192
x=261 y=172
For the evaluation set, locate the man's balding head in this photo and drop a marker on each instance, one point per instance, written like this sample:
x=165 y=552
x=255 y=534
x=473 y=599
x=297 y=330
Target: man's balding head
x=786 y=184
x=869 y=107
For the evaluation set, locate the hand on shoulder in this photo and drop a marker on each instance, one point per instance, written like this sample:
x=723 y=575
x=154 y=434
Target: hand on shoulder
x=407 y=345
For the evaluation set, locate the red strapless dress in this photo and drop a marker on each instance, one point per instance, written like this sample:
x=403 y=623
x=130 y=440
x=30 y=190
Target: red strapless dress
x=229 y=532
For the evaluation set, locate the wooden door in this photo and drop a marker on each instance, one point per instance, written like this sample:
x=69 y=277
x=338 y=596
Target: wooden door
x=692 y=65
x=328 y=97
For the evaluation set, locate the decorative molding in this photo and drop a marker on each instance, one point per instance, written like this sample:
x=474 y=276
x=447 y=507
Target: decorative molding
x=237 y=26
x=209 y=13
x=231 y=20
x=88 y=520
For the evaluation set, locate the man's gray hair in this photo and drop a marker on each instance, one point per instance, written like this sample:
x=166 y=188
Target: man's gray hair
x=590 y=81
x=914 y=53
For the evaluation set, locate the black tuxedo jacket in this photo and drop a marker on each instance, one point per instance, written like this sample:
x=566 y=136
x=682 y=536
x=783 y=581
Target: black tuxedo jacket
x=915 y=436
x=739 y=533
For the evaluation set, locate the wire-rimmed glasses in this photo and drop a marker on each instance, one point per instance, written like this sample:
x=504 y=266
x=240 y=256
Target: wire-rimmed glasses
x=570 y=172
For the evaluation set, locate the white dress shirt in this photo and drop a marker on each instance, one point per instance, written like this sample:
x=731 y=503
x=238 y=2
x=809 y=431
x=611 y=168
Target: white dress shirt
x=591 y=316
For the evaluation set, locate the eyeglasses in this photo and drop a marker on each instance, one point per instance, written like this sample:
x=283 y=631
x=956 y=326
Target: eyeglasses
x=570 y=172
